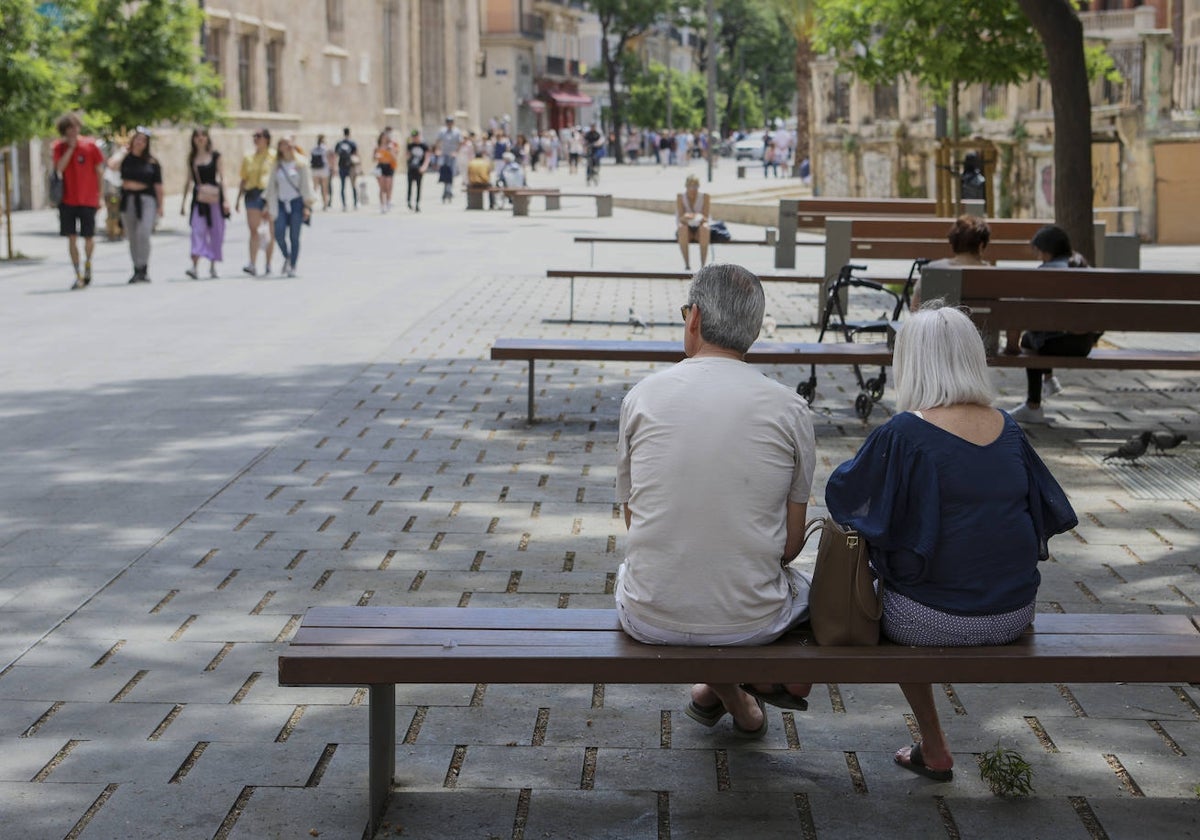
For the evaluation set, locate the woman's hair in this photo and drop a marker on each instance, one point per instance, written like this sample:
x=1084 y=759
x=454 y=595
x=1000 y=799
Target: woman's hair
x=1054 y=241
x=381 y=140
x=197 y=132
x=731 y=303
x=266 y=133
x=145 y=152
x=940 y=360
x=320 y=139
x=279 y=151
x=969 y=235
x=689 y=180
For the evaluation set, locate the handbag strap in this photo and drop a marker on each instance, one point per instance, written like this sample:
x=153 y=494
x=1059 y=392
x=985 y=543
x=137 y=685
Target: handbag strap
x=872 y=611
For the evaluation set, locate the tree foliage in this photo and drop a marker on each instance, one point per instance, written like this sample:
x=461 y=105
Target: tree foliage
x=937 y=42
x=621 y=21
x=648 y=98
x=142 y=64
x=753 y=70
x=37 y=74
x=799 y=17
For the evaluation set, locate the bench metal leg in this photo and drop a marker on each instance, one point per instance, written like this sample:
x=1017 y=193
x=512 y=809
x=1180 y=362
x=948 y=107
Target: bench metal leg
x=529 y=408
x=571 y=311
x=785 y=247
x=382 y=760
x=553 y=202
x=604 y=205
x=520 y=204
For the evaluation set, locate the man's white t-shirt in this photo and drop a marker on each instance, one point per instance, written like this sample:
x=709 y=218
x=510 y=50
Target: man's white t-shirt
x=709 y=453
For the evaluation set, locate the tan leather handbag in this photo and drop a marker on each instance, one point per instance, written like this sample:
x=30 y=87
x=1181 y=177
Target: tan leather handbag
x=843 y=604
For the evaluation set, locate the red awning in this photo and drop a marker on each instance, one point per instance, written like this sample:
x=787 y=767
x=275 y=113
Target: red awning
x=535 y=105
x=563 y=97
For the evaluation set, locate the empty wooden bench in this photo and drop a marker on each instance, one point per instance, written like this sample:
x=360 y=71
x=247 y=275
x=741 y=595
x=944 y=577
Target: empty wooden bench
x=531 y=349
x=592 y=241
x=520 y=200
x=812 y=213
x=380 y=647
x=586 y=273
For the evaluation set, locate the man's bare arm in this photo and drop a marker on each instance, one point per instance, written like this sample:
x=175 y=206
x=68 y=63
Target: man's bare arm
x=797 y=516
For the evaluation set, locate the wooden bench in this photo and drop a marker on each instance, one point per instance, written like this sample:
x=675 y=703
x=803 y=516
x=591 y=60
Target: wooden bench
x=475 y=195
x=1077 y=300
x=520 y=200
x=606 y=350
x=380 y=647
x=796 y=213
x=585 y=273
x=768 y=241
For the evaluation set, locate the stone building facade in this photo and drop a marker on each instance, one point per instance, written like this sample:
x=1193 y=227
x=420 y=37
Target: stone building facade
x=881 y=140
x=309 y=67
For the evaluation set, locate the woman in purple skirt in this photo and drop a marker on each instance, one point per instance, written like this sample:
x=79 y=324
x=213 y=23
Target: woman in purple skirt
x=206 y=186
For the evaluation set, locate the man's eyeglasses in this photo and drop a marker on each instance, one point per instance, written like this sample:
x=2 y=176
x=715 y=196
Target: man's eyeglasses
x=258 y=137
x=684 y=310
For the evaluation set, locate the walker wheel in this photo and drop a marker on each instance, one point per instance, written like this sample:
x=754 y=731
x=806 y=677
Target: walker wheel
x=808 y=390
x=863 y=405
x=874 y=387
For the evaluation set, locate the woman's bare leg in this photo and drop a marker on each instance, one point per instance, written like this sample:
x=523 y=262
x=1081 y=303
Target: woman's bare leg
x=253 y=219
x=738 y=703
x=682 y=235
x=934 y=750
x=703 y=237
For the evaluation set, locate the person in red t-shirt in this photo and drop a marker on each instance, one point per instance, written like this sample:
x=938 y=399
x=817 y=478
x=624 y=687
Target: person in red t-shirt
x=80 y=163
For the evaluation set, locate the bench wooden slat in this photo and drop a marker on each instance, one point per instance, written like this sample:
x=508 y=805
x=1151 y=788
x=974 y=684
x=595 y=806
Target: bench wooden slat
x=1075 y=284
x=1012 y=230
x=911 y=249
x=609 y=274
x=1108 y=358
x=458 y=617
x=615 y=658
x=502 y=618
x=529 y=349
x=1087 y=315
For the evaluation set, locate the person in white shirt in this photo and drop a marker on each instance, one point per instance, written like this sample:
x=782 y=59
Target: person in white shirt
x=715 y=467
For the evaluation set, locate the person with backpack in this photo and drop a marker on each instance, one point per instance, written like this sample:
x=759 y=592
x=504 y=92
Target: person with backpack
x=346 y=152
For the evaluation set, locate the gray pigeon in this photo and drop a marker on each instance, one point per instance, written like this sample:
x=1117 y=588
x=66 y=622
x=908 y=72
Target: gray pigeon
x=1166 y=440
x=1133 y=448
x=635 y=321
x=769 y=325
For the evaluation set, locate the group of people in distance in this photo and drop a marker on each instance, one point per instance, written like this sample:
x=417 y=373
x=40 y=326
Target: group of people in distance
x=715 y=468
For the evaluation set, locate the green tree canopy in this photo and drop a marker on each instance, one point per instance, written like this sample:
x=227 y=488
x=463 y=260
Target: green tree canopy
x=143 y=65
x=648 y=98
x=37 y=74
x=938 y=42
x=754 y=63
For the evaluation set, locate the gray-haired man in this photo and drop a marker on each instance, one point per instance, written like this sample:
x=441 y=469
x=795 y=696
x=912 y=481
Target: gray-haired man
x=715 y=469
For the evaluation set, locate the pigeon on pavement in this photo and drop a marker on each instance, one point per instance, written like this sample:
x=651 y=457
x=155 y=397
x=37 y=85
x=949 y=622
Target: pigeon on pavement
x=1166 y=440
x=1133 y=448
x=636 y=321
x=769 y=325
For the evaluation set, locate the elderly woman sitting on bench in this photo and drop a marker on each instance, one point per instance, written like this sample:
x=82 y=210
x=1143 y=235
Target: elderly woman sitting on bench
x=691 y=220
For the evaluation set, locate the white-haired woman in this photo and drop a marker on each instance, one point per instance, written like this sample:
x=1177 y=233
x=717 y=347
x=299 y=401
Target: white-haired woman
x=955 y=506
x=691 y=220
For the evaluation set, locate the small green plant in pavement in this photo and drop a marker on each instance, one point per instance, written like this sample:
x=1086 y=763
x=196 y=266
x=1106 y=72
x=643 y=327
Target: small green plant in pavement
x=1006 y=772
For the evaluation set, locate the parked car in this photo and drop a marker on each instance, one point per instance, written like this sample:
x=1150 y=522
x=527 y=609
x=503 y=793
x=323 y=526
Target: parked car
x=750 y=146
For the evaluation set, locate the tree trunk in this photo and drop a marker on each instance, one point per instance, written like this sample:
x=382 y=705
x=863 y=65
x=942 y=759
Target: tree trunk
x=610 y=64
x=1062 y=35
x=803 y=99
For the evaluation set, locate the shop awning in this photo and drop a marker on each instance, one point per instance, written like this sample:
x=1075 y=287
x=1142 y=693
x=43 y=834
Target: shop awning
x=562 y=97
x=535 y=105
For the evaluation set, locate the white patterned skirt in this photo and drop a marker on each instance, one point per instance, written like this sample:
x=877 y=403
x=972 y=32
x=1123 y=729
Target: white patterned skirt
x=907 y=622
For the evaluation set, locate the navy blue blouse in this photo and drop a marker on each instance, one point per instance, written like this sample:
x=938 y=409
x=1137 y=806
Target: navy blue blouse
x=950 y=524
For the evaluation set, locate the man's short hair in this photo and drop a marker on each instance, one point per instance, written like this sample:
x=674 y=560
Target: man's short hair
x=940 y=360
x=731 y=302
x=66 y=121
x=346 y=132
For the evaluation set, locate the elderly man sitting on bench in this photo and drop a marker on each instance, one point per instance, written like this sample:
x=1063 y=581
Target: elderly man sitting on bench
x=715 y=467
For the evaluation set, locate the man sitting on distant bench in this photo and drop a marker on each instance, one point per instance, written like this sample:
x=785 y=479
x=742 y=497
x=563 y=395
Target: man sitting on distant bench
x=479 y=176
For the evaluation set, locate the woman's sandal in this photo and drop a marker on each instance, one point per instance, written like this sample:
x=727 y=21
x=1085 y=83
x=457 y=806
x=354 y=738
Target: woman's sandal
x=916 y=764
x=752 y=734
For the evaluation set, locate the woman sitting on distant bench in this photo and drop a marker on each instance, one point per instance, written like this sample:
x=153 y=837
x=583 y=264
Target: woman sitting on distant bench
x=691 y=220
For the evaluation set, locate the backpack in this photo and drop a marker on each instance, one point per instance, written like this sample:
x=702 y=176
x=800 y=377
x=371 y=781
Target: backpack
x=345 y=153
x=317 y=161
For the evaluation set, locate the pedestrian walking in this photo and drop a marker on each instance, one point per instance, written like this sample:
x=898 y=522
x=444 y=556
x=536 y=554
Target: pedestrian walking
x=141 y=200
x=209 y=207
x=79 y=162
x=346 y=152
x=319 y=163
x=256 y=171
x=446 y=147
x=385 y=170
x=290 y=195
x=418 y=162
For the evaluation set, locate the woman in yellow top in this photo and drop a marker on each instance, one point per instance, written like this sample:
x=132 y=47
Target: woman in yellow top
x=255 y=173
x=291 y=196
x=385 y=169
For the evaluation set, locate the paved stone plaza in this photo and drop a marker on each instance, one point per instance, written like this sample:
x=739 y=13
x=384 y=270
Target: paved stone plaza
x=190 y=465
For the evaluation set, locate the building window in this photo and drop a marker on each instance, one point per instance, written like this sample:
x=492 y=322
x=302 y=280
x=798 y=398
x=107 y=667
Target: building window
x=214 y=55
x=335 y=21
x=839 y=99
x=887 y=101
x=274 y=53
x=246 y=72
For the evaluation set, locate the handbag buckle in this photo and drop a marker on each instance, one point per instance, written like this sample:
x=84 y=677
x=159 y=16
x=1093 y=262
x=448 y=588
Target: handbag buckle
x=852 y=540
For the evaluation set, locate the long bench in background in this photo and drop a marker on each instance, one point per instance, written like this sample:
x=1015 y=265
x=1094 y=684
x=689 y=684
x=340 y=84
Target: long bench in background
x=812 y=213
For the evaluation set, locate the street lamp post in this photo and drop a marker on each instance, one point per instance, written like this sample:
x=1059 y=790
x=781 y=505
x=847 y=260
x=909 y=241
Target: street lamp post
x=712 y=81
